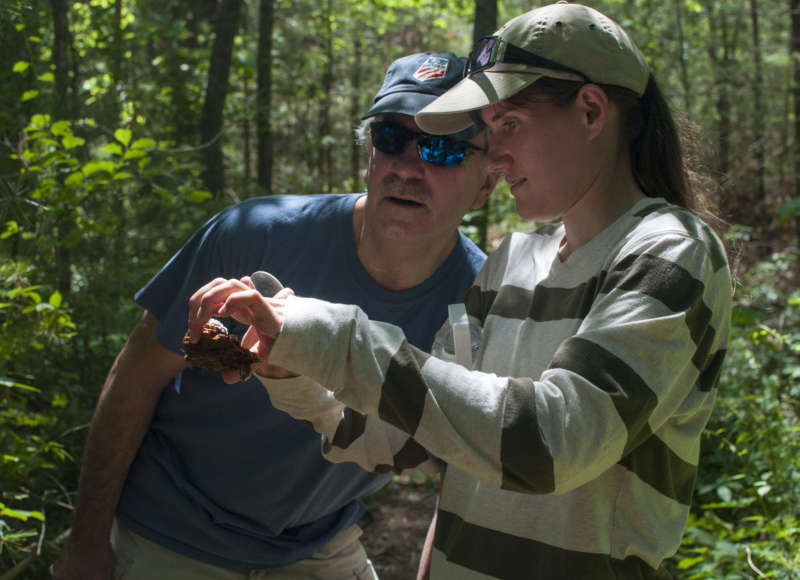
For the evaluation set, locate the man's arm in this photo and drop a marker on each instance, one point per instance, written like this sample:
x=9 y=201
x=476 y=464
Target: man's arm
x=123 y=413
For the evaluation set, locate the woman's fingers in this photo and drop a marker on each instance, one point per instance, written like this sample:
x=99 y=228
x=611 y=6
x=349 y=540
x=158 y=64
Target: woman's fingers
x=250 y=307
x=207 y=300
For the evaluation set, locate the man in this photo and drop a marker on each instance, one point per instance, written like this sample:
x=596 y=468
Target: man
x=182 y=475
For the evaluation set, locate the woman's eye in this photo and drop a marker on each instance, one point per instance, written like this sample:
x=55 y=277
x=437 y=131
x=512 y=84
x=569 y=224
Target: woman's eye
x=510 y=124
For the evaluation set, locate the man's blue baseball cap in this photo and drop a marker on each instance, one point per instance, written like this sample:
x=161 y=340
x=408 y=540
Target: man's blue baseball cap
x=415 y=80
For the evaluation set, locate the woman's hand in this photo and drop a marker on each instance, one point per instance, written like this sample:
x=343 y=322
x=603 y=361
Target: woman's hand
x=240 y=300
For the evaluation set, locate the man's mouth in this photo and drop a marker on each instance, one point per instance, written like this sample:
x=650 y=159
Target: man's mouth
x=405 y=202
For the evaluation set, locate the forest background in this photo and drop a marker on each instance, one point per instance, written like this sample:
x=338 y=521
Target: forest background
x=125 y=124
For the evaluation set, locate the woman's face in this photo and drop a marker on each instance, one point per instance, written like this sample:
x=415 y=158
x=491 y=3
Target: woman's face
x=542 y=151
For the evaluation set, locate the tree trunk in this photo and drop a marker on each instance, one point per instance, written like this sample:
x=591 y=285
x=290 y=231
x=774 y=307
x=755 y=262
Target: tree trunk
x=324 y=130
x=355 y=110
x=484 y=24
x=794 y=52
x=185 y=122
x=266 y=24
x=64 y=109
x=216 y=91
x=723 y=37
x=62 y=57
x=687 y=90
x=759 y=114
x=115 y=66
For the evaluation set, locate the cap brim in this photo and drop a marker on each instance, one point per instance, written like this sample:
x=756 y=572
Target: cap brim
x=400 y=104
x=450 y=113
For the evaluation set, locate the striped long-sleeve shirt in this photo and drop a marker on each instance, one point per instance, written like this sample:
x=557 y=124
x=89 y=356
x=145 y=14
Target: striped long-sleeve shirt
x=572 y=445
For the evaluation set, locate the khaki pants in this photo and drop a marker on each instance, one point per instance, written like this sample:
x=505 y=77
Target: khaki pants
x=343 y=558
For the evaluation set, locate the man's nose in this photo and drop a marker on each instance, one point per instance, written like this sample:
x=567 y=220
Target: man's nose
x=408 y=163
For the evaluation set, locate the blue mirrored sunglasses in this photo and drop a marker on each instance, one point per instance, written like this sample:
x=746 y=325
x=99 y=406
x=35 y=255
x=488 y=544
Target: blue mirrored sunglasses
x=393 y=138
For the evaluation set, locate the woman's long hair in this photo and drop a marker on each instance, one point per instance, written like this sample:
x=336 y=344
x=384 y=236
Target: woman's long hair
x=651 y=136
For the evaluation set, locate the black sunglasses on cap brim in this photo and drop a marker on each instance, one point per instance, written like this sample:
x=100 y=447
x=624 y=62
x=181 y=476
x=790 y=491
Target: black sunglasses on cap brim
x=442 y=150
x=490 y=50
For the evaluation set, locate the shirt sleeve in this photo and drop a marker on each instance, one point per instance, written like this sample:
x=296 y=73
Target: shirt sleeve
x=642 y=365
x=348 y=435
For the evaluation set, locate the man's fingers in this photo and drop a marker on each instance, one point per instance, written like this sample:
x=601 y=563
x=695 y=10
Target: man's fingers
x=206 y=302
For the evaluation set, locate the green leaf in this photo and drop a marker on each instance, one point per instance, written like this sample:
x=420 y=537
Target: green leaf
x=123 y=136
x=112 y=149
x=93 y=167
x=144 y=143
x=133 y=154
x=20 y=514
x=789 y=209
x=198 y=196
x=74 y=179
x=12 y=228
x=29 y=95
x=46 y=77
x=20 y=66
x=16 y=536
x=687 y=563
x=61 y=128
x=59 y=400
x=71 y=141
x=55 y=299
x=40 y=121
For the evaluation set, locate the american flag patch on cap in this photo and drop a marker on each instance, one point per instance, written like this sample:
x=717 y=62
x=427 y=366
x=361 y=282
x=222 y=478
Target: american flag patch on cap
x=434 y=67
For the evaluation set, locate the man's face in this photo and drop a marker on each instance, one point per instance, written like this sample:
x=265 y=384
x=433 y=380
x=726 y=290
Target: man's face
x=412 y=200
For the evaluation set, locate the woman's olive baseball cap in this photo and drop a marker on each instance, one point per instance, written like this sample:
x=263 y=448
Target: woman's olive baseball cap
x=562 y=40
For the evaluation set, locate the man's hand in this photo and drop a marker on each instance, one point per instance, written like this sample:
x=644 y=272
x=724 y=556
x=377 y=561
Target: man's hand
x=240 y=300
x=92 y=562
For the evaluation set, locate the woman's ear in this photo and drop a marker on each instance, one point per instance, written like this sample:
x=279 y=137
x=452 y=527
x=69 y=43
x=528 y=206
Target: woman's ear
x=594 y=107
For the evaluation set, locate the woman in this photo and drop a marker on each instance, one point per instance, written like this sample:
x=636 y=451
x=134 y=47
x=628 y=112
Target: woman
x=571 y=442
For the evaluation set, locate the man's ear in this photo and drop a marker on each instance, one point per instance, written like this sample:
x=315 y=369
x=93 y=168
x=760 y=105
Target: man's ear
x=485 y=191
x=593 y=104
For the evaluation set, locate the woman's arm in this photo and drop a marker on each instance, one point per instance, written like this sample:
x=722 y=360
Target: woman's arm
x=639 y=370
x=348 y=435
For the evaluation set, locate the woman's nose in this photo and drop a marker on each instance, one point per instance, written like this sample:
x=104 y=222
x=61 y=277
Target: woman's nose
x=497 y=159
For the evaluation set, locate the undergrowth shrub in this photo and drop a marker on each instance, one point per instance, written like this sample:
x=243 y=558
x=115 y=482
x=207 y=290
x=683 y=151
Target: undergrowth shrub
x=745 y=520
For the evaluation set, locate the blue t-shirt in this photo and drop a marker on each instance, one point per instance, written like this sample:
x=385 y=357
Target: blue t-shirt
x=222 y=476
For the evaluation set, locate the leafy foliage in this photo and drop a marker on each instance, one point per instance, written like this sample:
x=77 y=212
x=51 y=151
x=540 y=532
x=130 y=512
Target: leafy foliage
x=33 y=320
x=100 y=183
x=746 y=518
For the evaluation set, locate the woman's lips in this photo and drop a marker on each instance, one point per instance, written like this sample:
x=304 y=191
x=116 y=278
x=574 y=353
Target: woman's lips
x=514 y=183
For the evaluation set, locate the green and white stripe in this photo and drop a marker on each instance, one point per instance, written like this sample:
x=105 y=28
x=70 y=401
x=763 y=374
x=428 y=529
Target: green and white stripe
x=572 y=446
